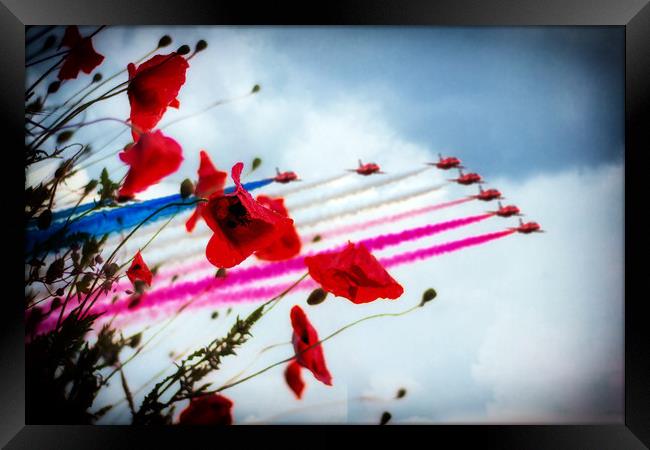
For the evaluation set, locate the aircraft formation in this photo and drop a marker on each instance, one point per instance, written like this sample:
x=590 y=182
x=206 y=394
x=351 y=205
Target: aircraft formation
x=465 y=179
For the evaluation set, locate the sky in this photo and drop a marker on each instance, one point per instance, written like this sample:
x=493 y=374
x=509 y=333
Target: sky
x=525 y=329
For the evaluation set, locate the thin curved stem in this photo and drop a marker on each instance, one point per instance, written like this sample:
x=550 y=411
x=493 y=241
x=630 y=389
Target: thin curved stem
x=340 y=330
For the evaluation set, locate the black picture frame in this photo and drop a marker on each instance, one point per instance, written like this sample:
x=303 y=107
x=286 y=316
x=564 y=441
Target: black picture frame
x=634 y=15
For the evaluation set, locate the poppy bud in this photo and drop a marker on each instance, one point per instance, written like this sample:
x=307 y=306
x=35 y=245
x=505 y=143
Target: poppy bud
x=385 y=417
x=135 y=301
x=187 y=188
x=135 y=340
x=35 y=106
x=60 y=292
x=183 y=50
x=164 y=41
x=45 y=219
x=428 y=295
x=255 y=89
x=200 y=46
x=53 y=87
x=139 y=286
x=214 y=315
x=256 y=163
x=97 y=77
x=111 y=269
x=317 y=238
x=62 y=169
x=49 y=42
x=64 y=136
x=55 y=271
x=316 y=297
x=55 y=303
x=221 y=273
x=401 y=393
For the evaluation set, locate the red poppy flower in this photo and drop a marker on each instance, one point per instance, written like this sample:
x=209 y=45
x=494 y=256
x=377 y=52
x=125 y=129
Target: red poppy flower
x=213 y=409
x=241 y=225
x=353 y=273
x=139 y=270
x=152 y=158
x=304 y=336
x=82 y=56
x=211 y=181
x=293 y=376
x=153 y=86
x=288 y=245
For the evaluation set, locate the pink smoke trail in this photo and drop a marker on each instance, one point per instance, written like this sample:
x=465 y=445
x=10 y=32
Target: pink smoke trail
x=203 y=264
x=188 y=289
x=264 y=293
x=246 y=275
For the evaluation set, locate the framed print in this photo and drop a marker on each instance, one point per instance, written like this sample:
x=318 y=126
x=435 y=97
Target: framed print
x=367 y=214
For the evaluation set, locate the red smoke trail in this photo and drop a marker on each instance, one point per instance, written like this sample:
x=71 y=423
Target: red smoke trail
x=384 y=220
x=189 y=289
x=266 y=292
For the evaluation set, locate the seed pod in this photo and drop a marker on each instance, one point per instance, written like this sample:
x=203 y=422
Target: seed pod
x=256 y=88
x=97 y=77
x=183 y=50
x=385 y=417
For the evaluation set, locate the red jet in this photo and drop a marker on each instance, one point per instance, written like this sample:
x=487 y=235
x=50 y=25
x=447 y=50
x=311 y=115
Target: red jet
x=285 y=177
x=467 y=179
x=446 y=163
x=486 y=196
x=367 y=169
x=528 y=227
x=507 y=211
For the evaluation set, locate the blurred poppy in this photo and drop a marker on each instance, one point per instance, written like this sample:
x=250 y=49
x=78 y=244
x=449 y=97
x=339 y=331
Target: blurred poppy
x=353 y=273
x=152 y=158
x=139 y=270
x=303 y=338
x=81 y=57
x=211 y=181
x=286 y=246
x=241 y=225
x=213 y=409
x=153 y=86
x=293 y=377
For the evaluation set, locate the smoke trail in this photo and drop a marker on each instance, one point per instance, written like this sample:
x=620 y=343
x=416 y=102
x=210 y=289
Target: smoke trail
x=355 y=190
x=246 y=275
x=210 y=299
x=203 y=234
x=384 y=220
x=353 y=211
x=118 y=219
x=424 y=253
x=315 y=184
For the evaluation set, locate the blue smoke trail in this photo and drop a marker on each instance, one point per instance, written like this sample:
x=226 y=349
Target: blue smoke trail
x=114 y=220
